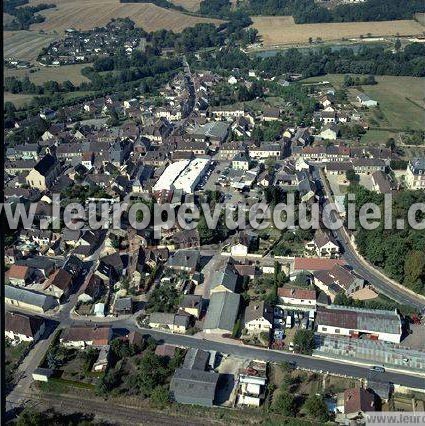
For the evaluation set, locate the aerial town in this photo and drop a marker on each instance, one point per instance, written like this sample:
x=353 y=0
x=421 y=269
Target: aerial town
x=167 y=324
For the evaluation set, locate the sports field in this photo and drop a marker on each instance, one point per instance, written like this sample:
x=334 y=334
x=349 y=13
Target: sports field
x=87 y=14
x=282 y=30
x=41 y=74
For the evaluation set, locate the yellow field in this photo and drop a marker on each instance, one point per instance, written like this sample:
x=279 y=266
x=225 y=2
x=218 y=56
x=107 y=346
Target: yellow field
x=280 y=30
x=59 y=74
x=25 y=45
x=87 y=14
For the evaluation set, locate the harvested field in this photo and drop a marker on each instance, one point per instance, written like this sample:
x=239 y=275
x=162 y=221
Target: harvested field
x=190 y=5
x=7 y=19
x=25 y=45
x=43 y=74
x=281 y=30
x=87 y=14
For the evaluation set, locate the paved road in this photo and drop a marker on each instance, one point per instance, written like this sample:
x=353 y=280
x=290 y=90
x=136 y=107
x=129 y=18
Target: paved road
x=384 y=286
x=302 y=361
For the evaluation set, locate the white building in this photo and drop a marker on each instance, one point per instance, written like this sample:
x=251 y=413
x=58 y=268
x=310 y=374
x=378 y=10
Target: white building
x=297 y=298
x=415 y=174
x=170 y=174
x=355 y=322
x=258 y=317
x=191 y=175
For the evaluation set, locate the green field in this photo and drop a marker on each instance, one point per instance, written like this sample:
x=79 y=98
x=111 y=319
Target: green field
x=401 y=99
x=377 y=137
x=18 y=99
x=40 y=75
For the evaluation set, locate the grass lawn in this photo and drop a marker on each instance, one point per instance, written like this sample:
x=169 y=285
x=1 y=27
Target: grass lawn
x=42 y=74
x=377 y=137
x=18 y=99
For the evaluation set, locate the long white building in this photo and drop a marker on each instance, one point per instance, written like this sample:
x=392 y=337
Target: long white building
x=184 y=175
x=191 y=175
x=169 y=175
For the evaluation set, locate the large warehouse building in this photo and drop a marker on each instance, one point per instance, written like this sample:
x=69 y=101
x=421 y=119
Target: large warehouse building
x=354 y=322
x=184 y=175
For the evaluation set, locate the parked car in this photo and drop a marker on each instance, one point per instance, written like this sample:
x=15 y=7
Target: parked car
x=378 y=369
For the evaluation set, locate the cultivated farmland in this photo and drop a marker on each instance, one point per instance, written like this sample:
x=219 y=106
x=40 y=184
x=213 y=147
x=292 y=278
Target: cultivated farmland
x=25 y=45
x=282 y=30
x=85 y=15
x=43 y=74
x=190 y=5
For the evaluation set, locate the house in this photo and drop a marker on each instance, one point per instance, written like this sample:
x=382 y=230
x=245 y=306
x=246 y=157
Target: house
x=184 y=260
x=165 y=350
x=26 y=299
x=18 y=274
x=225 y=279
x=353 y=404
x=191 y=304
x=380 y=183
x=23 y=328
x=323 y=245
x=296 y=298
x=59 y=284
x=258 y=317
x=194 y=387
x=177 y=323
x=329 y=132
x=315 y=264
x=415 y=174
x=355 y=322
x=222 y=312
x=252 y=384
x=271 y=114
x=81 y=337
x=239 y=250
x=241 y=161
x=366 y=101
x=265 y=151
x=44 y=173
x=338 y=279
x=123 y=306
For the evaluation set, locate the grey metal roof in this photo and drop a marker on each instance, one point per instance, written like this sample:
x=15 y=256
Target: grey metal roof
x=196 y=359
x=226 y=277
x=222 y=311
x=184 y=258
x=30 y=297
x=193 y=384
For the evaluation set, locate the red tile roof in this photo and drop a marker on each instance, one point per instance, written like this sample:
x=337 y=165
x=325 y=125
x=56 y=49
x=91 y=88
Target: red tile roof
x=315 y=263
x=297 y=293
x=18 y=272
x=358 y=399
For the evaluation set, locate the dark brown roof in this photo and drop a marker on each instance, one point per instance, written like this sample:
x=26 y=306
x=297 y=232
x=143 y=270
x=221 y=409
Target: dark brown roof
x=358 y=400
x=22 y=324
x=99 y=335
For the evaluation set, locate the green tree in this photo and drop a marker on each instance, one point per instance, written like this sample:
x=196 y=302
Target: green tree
x=304 y=341
x=285 y=404
x=316 y=408
x=160 y=397
x=151 y=373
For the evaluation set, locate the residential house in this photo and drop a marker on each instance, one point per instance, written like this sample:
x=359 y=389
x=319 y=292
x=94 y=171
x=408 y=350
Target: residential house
x=323 y=244
x=18 y=275
x=258 y=317
x=184 y=260
x=415 y=174
x=59 y=284
x=381 y=183
x=177 y=323
x=297 y=298
x=81 y=337
x=366 y=101
x=329 y=132
x=265 y=151
x=225 y=279
x=271 y=114
x=353 y=404
x=191 y=304
x=241 y=161
x=44 y=173
x=23 y=328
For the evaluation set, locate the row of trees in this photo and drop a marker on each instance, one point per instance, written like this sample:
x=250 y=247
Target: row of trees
x=368 y=60
x=400 y=252
x=308 y=11
x=24 y=16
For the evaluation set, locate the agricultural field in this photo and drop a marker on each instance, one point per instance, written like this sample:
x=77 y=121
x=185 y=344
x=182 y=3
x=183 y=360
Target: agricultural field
x=189 y=5
x=25 y=45
x=85 y=15
x=282 y=30
x=42 y=74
